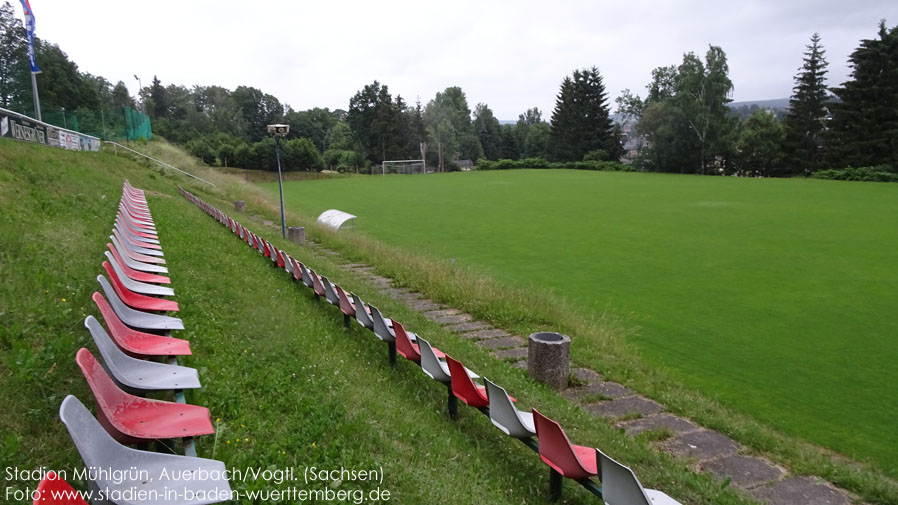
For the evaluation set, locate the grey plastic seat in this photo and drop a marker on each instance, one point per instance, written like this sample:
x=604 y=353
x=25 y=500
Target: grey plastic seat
x=383 y=329
x=306 y=276
x=505 y=416
x=136 y=375
x=621 y=487
x=99 y=450
x=288 y=263
x=124 y=225
x=134 y=264
x=141 y=226
x=134 y=218
x=135 y=239
x=136 y=286
x=137 y=223
x=137 y=318
x=361 y=314
x=330 y=294
x=143 y=259
x=434 y=367
x=126 y=241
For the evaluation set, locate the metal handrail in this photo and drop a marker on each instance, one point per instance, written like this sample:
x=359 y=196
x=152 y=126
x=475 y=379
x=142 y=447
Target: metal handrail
x=117 y=145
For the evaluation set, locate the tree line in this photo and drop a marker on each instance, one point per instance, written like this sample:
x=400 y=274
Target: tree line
x=683 y=124
x=65 y=92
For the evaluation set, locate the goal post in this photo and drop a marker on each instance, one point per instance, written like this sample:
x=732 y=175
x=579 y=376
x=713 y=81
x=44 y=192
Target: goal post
x=403 y=167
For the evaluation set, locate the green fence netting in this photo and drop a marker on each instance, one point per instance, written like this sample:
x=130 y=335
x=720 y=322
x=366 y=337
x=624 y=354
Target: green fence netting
x=112 y=123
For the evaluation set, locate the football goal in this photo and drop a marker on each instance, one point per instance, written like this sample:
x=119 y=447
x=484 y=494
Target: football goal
x=403 y=167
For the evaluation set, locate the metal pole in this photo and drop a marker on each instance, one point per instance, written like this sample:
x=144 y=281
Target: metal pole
x=277 y=150
x=143 y=103
x=453 y=403
x=37 y=100
x=555 y=485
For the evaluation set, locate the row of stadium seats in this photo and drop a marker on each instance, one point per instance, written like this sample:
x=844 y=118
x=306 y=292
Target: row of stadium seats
x=139 y=356
x=619 y=485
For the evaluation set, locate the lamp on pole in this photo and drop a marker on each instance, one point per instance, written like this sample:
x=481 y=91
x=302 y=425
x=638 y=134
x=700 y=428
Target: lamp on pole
x=278 y=131
x=143 y=103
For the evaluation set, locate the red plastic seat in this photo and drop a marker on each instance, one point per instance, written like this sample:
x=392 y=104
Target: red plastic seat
x=317 y=286
x=346 y=305
x=572 y=461
x=135 y=300
x=53 y=490
x=132 y=419
x=129 y=242
x=266 y=248
x=139 y=211
x=136 y=220
x=134 y=255
x=463 y=386
x=128 y=232
x=294 y=267
x=280 y=257
x=408 y=349
x=135 y=274
x=135 y=230
x=138 y=344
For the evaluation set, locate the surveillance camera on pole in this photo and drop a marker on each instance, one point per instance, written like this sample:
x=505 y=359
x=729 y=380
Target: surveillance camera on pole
x=278 y=131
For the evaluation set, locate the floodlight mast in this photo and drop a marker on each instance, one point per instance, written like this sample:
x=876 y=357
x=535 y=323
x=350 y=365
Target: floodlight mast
x=278 y=131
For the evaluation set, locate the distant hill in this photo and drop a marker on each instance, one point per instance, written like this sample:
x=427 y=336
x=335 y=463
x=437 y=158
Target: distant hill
x=744 y=109
x=776 y=103
x=779 y=106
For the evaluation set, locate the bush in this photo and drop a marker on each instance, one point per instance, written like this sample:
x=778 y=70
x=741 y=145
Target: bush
x=596 y=155
x=879 y=173
x=609 y=166
x=300 y=154
x=201 y=149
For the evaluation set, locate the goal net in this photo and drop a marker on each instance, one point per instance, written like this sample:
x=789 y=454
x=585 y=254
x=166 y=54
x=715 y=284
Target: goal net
x=403 y=167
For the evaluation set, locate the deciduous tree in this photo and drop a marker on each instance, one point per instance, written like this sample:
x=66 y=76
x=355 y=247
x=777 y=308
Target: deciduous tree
x=760 y=144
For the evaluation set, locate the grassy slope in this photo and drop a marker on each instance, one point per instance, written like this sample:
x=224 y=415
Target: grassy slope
x=287 y=384
x=756 y=292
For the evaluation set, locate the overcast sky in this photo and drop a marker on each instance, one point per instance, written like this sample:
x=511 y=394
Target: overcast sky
x=511 y=55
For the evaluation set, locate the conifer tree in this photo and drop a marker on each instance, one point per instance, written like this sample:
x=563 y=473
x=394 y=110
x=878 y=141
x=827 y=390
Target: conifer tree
x=806 y=119
x=581 y=121
x=865 y=123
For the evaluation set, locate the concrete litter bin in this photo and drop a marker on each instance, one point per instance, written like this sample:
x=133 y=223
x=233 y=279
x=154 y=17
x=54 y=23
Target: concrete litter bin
x=549 y=358
x=296 y=233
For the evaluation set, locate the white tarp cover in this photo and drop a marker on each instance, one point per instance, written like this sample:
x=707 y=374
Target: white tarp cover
x=334 y=218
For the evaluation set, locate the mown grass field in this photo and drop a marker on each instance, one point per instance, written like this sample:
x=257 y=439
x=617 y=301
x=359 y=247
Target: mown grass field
x=776 y=297
x=287 y=384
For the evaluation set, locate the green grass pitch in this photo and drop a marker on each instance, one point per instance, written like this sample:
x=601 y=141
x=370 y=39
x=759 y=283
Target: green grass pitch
x=777 y=297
